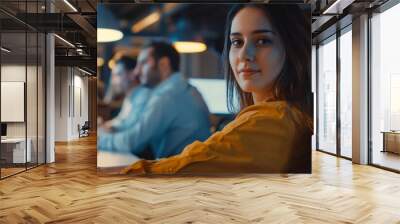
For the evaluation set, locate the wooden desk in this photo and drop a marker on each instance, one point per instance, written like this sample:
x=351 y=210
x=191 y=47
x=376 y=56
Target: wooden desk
x=391 y=141
x=13 y=150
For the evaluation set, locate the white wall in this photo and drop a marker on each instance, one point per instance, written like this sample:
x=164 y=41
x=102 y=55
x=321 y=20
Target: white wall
x=61 y=103
x=33 y=127
x=13 y=73
x=71 y=102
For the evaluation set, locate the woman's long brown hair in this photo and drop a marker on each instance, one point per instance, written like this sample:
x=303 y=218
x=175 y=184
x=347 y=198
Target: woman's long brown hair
x=293 y=84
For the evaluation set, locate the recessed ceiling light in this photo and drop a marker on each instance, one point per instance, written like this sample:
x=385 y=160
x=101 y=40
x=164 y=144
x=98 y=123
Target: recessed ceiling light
x=84 y=71
x=5 y=50
x=337 y=7
x=65 y=41
x=70 y=5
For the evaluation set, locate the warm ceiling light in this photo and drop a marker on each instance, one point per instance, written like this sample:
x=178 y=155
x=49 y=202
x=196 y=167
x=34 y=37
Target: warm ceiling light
x=189 y=47
x=147 y=21
x=5 y=50
x=100 y=62
x=111 y=63
x=70 y=5
x=65 y=41
x=108 y=35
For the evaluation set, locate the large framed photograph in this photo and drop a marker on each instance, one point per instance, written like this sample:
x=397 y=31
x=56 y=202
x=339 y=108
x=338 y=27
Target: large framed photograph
x=204 y=88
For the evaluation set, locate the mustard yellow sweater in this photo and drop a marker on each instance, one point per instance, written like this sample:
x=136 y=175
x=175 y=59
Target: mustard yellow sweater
x=270 y=137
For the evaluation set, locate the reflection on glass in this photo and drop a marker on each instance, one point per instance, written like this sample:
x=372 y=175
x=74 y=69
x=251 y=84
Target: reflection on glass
x=31 y=101
x=385 y=86
x=22 y=90
x=345 y=94
x=14 y=152
x=41 y=99
x=327 y=97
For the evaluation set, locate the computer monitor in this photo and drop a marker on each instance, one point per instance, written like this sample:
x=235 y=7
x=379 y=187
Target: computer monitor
x=213 y=92
x=3 y=129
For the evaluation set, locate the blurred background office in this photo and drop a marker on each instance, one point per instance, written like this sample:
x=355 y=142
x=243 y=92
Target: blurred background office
x=197 y=34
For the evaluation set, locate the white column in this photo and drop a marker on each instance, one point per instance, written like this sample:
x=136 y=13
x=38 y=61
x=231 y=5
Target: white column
x=50 y=94
x=360 y=90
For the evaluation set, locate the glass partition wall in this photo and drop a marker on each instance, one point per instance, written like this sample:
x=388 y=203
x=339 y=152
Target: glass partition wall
x=22 y=88
x=334 y=90
x=334 y=94
x=385 y=89
x=327 y=95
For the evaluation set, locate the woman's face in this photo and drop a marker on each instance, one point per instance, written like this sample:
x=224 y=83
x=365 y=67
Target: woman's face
x=256 y=54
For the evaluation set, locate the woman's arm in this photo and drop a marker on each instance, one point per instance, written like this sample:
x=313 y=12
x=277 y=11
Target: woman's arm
x=255 y=142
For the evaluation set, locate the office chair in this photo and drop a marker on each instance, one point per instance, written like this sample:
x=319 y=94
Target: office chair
x=84 y=130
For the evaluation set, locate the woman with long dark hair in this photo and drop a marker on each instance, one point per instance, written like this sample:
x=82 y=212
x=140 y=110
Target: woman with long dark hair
x=267 y=62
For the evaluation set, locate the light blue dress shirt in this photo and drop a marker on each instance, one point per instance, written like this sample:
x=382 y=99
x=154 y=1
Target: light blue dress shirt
x=175 y=116
x=132 y=107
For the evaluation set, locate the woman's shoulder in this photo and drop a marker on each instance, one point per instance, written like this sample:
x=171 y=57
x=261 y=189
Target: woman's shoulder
x=272 y=109
x=280 y=111
x=254 y=115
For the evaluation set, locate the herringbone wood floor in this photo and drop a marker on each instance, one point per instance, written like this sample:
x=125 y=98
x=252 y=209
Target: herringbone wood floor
x=70 y=191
